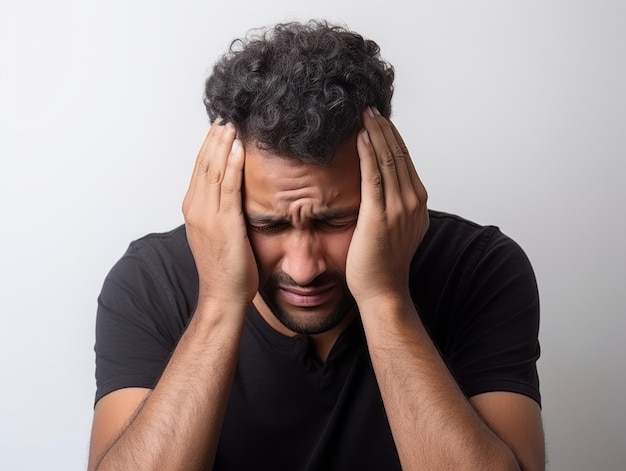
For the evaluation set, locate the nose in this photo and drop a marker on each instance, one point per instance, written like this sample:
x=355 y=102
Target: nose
x=304 y=257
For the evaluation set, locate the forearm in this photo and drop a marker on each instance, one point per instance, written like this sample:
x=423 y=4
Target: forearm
x=434 y=426
x=178 y=425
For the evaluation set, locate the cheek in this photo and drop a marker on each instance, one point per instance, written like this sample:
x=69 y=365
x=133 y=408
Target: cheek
x=337 y=249
x=266 y=253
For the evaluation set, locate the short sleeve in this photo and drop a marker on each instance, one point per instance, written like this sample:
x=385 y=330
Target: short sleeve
x=495 y=345
x=136 y=325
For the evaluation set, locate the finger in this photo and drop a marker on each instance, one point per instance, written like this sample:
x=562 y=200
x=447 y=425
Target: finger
x=203 y=159
x=385 y=147
x=201 y=164
x=196 y=170
x=212 y=166
x=414 y=178
x=404 y=160
x=217 y=152
x=211 y=158
x=407 y=175
x=231 y=197
x=371 y=181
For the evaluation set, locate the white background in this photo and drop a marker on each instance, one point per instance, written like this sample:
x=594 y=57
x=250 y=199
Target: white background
x=515 y=113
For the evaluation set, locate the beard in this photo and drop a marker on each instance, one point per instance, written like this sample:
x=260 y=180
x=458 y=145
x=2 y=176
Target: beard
x=312 y=321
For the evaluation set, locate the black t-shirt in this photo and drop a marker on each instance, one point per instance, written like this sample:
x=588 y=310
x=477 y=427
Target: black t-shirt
x=473 y=287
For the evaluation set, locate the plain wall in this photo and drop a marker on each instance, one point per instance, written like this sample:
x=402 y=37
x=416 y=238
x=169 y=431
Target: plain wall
x=514 y=112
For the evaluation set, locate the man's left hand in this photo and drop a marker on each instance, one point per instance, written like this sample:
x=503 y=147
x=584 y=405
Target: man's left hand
x=393 y=217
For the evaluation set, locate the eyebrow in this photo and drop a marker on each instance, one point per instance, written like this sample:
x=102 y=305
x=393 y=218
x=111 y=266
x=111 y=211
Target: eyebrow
x=328 y=215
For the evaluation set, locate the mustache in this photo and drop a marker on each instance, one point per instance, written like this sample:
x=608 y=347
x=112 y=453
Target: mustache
x=324 y=279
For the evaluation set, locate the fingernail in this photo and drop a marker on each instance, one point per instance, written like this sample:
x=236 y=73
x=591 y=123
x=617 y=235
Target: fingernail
x=370 y=112
x=376 y=111
x=366 y=136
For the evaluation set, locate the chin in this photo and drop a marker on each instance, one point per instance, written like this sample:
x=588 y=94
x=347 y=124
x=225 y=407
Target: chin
x=312 y=321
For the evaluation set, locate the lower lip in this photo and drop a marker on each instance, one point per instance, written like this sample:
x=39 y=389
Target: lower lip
x=303 y=300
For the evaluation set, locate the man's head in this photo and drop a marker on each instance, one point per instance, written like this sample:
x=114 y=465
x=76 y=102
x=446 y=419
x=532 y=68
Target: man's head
x=298 y=90
x=300 y=222
x=296 y=94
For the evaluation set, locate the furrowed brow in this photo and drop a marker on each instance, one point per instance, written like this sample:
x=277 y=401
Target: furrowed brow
x=257 y=219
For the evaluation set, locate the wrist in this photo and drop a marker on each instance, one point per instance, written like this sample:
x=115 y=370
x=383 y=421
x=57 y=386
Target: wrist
x=221 y=311
x=391 y=319
x=389 y=303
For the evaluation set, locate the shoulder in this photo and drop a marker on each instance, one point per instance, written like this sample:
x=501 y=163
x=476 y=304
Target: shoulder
x=144 y=305
x=456 y=232
x=158 y=266
x=456 y=244
x=164 y=256
x=477 y=294
x=162 y=245
x=460 y=259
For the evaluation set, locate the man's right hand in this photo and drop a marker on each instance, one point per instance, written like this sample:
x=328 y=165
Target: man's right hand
x=177 y=425
x=215 y=224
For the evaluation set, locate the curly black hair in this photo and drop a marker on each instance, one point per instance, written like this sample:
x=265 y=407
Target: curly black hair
x=298 y=89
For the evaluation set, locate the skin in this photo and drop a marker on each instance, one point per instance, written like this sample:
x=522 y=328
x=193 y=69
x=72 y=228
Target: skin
x=300 y=225
x=373 y=195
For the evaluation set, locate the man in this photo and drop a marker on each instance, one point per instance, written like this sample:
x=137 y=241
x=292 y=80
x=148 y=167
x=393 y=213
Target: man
x=312 y=313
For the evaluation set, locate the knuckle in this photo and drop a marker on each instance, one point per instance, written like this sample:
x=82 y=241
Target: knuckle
x=185 y=205
x=422 y=194
x=214 y=175
x=395 y=214
x=387 y=158
x=202 y=165
x=191 y=216
x=228 y=189
x=375 y=183
x=203 y=160
x=397 y=150
x=376 y=180
x=413 y=204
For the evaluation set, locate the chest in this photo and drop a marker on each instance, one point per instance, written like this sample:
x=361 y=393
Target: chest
x=287 y=411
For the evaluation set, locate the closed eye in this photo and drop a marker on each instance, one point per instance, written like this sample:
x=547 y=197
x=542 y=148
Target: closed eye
x=269 y=228
x=336 y=226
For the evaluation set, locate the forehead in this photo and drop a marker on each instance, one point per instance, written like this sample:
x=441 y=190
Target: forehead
x=275 y=184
